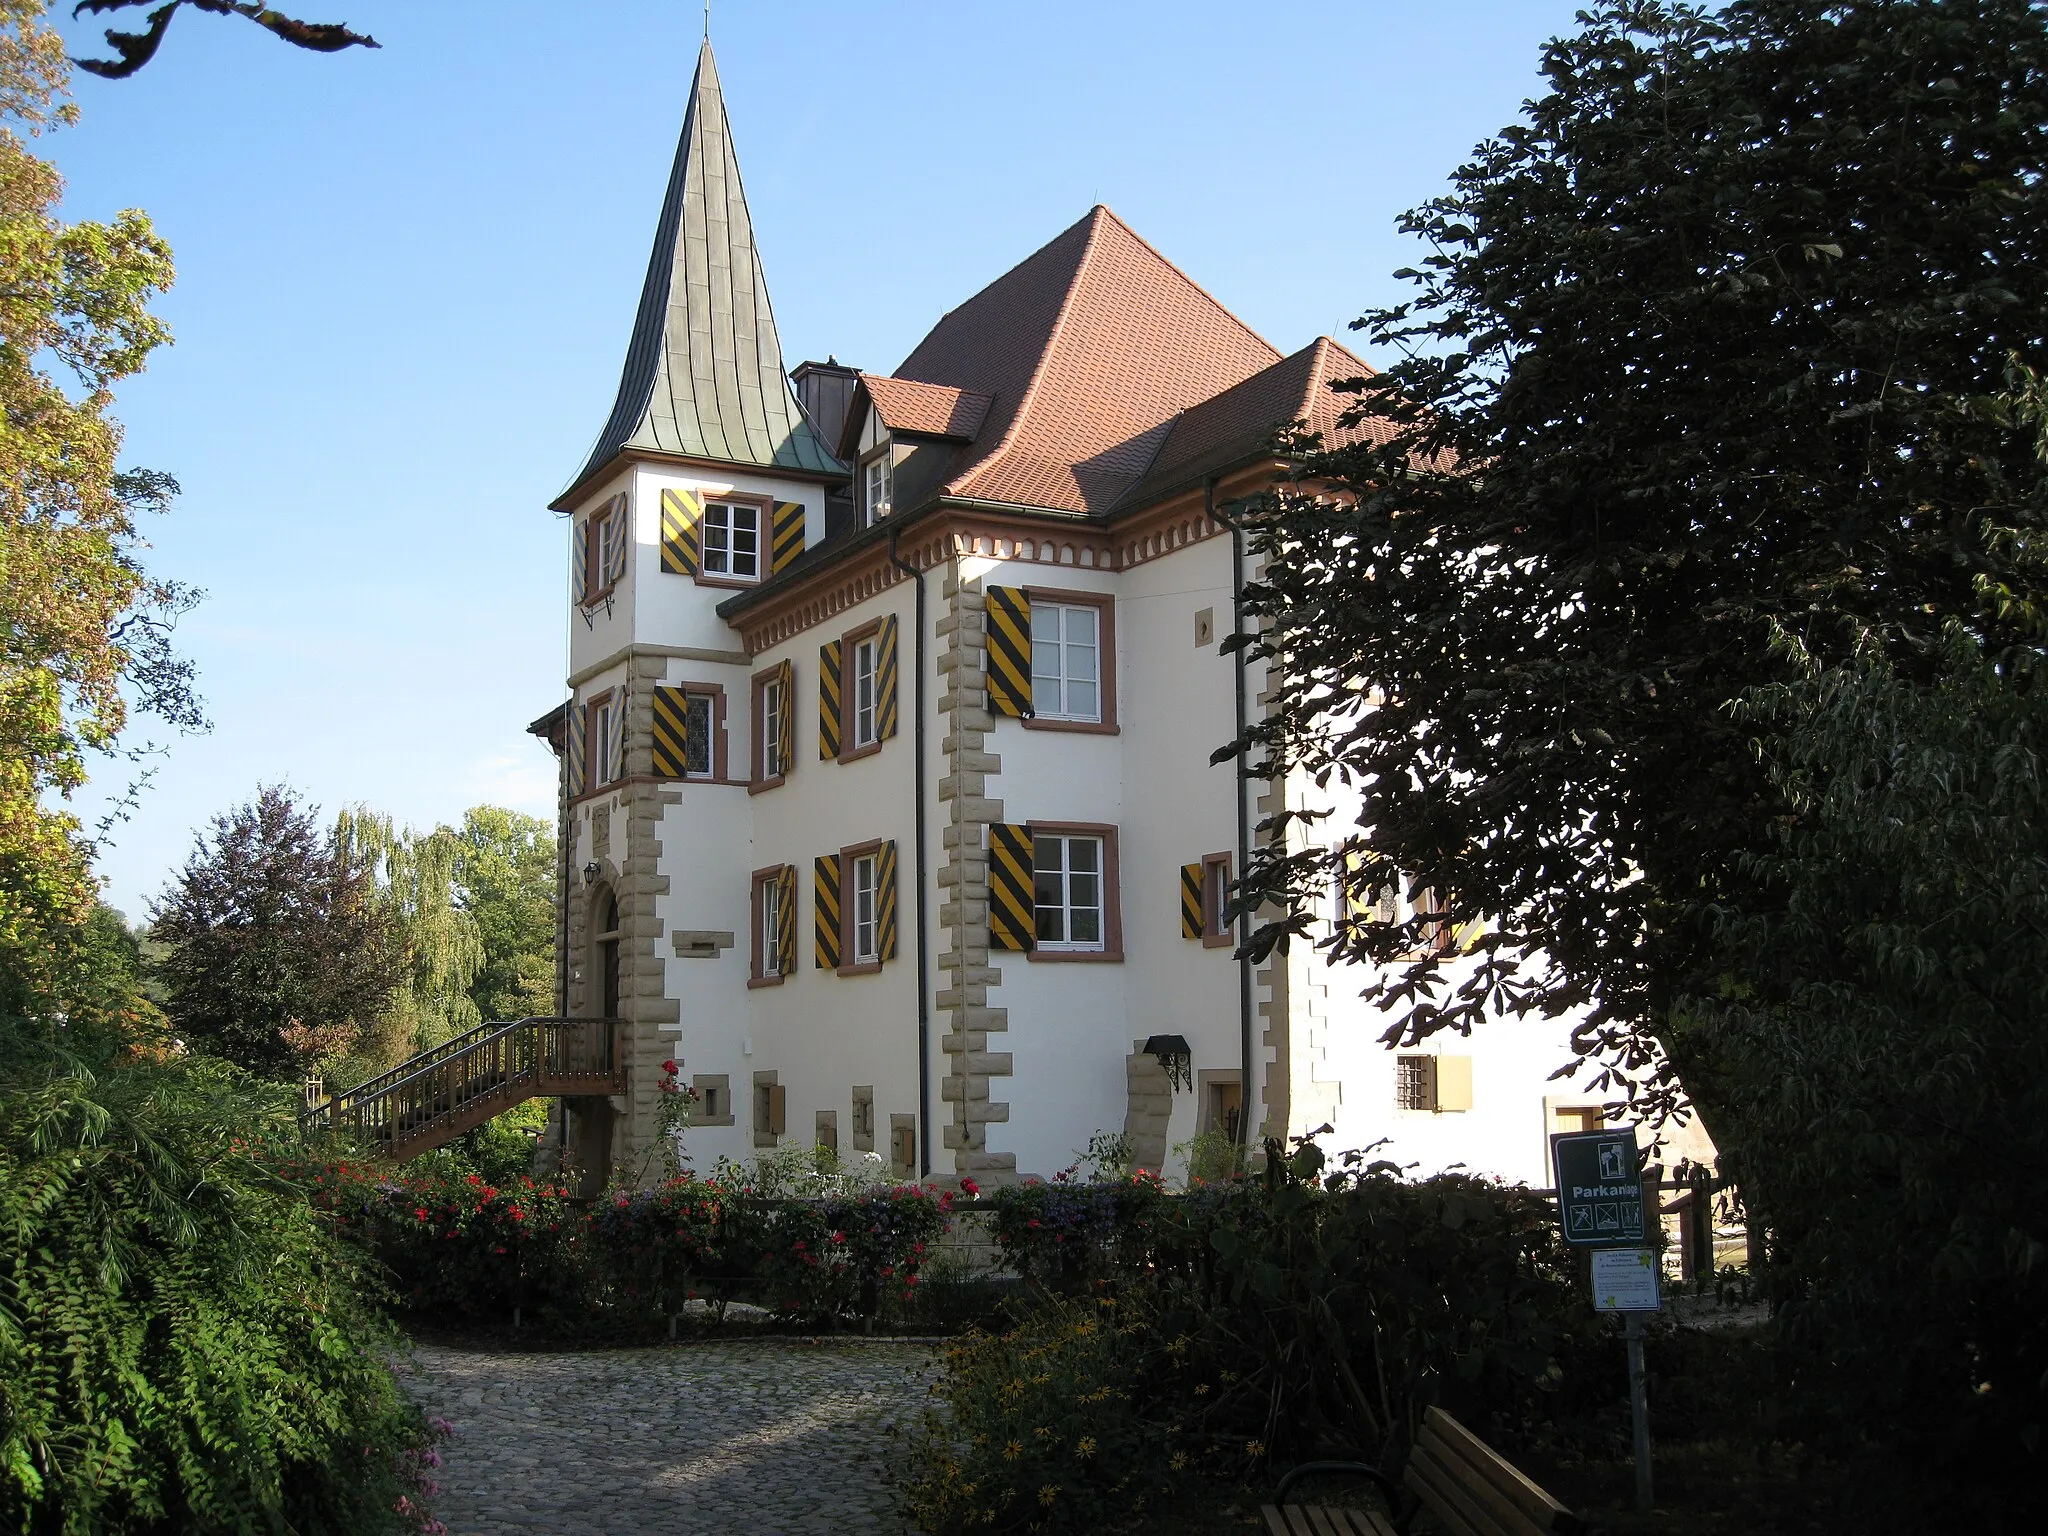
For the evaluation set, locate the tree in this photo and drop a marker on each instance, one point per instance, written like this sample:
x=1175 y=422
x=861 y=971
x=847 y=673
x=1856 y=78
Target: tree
x=132 y=50
x=86 y=634
x=276 y=948
x=1706 y=350
x=505 y=874
x=436 y=940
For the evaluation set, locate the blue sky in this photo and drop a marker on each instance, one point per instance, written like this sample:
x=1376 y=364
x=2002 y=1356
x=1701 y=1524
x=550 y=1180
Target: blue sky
x=406 y=279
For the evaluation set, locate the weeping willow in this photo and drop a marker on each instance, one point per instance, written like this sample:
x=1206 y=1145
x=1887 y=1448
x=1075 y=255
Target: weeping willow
x=416 y=880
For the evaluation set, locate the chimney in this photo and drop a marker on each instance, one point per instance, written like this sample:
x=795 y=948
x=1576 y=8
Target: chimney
x=825 y=390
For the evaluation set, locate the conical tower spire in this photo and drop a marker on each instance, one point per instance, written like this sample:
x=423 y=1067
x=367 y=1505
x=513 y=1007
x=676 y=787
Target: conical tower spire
x=703 y=377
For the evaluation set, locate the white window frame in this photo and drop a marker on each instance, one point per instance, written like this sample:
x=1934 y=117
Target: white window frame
x=1067 y=908
x=720 y=530
x=772 y=706
x=598 y=578
x=601 y=743
x=771 y=927
x=878 y=485
x=863 y=939
x=867 y=662
x=1043 y=682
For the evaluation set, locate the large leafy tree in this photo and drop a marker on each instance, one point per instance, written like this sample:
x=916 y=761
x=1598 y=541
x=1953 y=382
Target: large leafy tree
x=437 y=940
x=85 y=634
x=1707 y=350
x=505 y=874
x=132 y=50
x=276 y=946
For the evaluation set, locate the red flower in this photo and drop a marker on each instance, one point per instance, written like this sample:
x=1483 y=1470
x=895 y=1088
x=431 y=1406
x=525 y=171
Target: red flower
x=969 y=1188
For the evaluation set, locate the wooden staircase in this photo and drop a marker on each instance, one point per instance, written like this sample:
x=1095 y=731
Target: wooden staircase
x=435 y=1096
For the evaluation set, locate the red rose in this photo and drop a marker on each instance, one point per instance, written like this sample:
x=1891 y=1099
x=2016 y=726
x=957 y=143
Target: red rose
x=969 y=1188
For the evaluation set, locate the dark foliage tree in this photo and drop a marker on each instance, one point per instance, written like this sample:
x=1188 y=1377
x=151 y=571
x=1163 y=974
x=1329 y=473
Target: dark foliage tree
x=274 y=944
x=1708 y=345
x=132 y=50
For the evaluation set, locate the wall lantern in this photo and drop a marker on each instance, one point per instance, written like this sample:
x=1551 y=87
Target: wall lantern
x=591 y=871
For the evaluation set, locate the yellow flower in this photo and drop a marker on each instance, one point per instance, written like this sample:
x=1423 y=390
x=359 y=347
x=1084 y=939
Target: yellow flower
x=1179 y=1462
x=1048 y=1493
x=1013 y=1450
x=1086 y=1447
x=1255 y=1447
x=1203 y=1388
x=1042 y=1432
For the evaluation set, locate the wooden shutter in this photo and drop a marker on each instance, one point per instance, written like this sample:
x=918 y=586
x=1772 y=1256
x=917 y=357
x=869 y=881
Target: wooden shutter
x=785 y=679
x=786 y=536
x=885 y=902
x=615 y=517
x=785 y=936
x=1453 y=1084
x=579 y=560
x=1012 y=912
x=682 y=532
x=825 y=912
x=1009 y=651
x=829 y=698
x=885 y=680
x=1193 y=919
x=671 y=733
x=577 y=729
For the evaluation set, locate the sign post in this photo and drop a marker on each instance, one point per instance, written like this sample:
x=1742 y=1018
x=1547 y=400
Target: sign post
x=1602 y=1206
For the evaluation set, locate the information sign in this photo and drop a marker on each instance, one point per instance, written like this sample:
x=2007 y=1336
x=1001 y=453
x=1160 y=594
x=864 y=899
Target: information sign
x=1625 y=1280
x=1599 y=1188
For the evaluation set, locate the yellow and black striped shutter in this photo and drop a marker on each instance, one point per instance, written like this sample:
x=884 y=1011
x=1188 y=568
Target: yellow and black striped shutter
x=1009 y=651
x=785 y=679
x=577 y=727
x=885 y=680
x=682 y=532
x=671 y=733
x=785 y=938
x=825 y=912
x=828 y=698
x=786 y=534
x=1192 y=924
x=1012 y=913
x=885 y=902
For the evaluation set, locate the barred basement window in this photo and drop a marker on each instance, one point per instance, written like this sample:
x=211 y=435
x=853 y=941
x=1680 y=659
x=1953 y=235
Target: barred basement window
x=1415 y=1082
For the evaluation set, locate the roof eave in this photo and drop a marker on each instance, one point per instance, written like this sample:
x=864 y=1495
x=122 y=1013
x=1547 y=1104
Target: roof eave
x=569 y=499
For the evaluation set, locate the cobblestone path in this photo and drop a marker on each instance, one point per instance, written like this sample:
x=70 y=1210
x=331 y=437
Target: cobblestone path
x=777 y=1436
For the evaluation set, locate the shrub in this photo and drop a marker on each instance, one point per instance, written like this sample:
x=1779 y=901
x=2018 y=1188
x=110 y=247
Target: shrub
x=1064 y=1423
x=182 y=1345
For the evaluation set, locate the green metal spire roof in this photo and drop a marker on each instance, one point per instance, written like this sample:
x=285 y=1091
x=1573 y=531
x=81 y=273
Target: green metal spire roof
x=703 y=376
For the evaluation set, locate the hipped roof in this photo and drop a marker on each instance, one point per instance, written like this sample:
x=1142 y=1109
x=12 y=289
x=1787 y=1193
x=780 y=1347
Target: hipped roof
x=703 y=378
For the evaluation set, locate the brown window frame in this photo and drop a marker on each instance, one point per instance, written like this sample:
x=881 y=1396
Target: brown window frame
x=1214 y=932
x=1112 y=951
x=1105 y=648
x=758 y=974
x=764 y=510
x=595 y=760
x=761 y=683
x=872 y=630
x=592 y=567
x=848 y=966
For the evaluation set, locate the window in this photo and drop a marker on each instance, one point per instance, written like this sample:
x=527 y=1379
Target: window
x=772 y=916
x=603 y=740
x=865 y=949
x=1068 y=891
x=1215 y=896
x=608 y=531
x=827 y=1137
x=771 y=1109
x=1438 y=1084
x=881 y=485
x=863 y=1126
x=697 y=733
x=714 y=1100
x=865 y=655
x=774 y=713
x=732 y=540
x=1066 y=661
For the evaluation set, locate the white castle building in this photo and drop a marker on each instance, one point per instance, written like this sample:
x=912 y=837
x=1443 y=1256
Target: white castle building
x=887 y=799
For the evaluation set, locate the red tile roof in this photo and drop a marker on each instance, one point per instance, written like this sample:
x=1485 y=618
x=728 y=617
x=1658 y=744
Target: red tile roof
x=1088 y=350
x=1236 y=424
x=936 y=410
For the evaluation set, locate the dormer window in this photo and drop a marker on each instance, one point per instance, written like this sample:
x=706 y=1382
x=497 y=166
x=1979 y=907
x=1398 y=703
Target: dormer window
x=881 y=486
x=732 y=540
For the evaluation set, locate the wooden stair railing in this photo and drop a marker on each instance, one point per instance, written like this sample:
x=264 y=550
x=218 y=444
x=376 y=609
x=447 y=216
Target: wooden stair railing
x=437 y=1095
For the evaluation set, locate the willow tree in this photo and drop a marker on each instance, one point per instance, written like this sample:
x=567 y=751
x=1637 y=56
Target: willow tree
x=441 y=949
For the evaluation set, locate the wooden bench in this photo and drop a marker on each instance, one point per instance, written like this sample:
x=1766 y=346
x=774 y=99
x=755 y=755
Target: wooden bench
x=1467 y=1486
